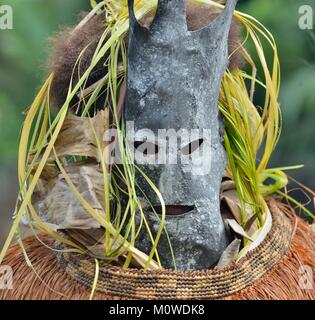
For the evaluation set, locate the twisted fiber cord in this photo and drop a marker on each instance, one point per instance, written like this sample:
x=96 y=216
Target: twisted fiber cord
x=280 y=281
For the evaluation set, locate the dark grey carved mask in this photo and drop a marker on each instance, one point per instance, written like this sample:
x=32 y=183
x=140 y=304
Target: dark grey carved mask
x=173 y=84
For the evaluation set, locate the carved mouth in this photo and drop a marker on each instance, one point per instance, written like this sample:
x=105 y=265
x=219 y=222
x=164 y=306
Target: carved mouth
x=174 y=210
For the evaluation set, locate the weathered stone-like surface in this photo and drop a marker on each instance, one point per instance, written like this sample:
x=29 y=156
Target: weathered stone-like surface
x=173 y=83
x=198 y=237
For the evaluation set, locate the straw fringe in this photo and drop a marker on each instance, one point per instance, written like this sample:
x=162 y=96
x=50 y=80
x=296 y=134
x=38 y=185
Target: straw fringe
x=283 y=282
x=51 y=283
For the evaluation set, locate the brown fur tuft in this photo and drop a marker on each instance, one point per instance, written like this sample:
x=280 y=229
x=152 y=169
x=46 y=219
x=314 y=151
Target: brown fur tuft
x=66 y=48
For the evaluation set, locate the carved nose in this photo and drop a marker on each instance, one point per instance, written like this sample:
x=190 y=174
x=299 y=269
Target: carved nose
x=174 y=210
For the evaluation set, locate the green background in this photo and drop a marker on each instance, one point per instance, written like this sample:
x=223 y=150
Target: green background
x=23 y=52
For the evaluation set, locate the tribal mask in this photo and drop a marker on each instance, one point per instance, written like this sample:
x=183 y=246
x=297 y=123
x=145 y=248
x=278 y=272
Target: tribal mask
x=173 y=84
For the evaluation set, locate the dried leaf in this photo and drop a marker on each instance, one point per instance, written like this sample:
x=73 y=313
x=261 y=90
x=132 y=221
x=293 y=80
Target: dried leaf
x=260 y=234
x=230 y=254
x=238 y=229
x=232 y=200
x=59 y=206
x=92 y=240
x=227 y=185
x=80 y=136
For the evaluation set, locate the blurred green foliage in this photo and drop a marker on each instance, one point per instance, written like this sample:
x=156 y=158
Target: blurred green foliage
x=297 y=56
x=23 y=53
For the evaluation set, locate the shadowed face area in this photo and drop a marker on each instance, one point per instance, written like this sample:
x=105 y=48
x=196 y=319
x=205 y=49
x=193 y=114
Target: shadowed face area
x=172 y=100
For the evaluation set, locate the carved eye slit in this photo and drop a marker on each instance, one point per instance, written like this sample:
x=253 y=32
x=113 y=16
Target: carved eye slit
x=146 y=147
x=192 y=147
